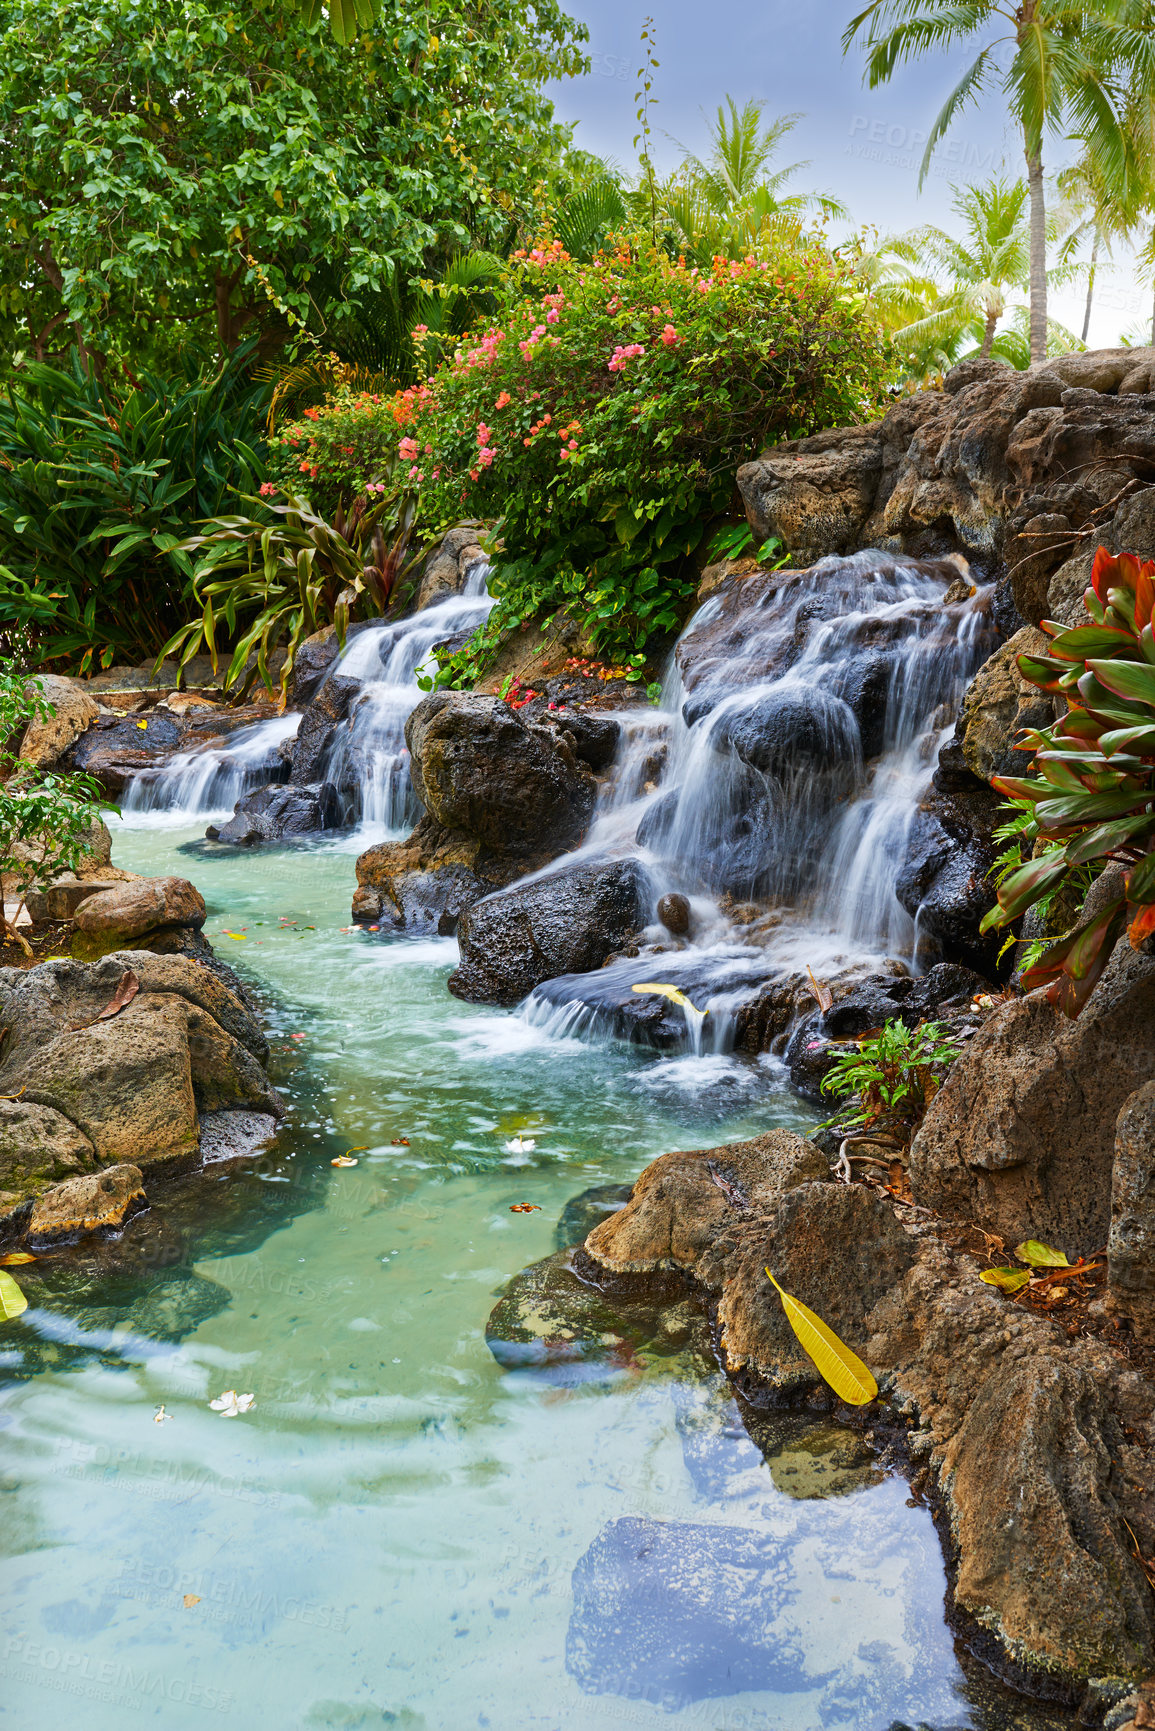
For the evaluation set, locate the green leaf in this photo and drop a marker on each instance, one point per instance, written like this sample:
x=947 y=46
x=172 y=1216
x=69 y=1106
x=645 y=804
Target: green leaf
x=1130 y=679
x=1039 y=1255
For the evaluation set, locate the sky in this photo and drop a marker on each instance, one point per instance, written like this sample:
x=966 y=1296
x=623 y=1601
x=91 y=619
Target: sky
x=864 y=146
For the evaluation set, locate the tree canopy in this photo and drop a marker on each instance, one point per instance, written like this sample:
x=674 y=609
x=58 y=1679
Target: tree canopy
x=185 y=172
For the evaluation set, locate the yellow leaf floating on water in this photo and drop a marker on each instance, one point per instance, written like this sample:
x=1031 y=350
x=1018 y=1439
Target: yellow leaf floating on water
x=1040 y=1255
x=836 y=1364
x=12 y=1300
x=1006 y=1279
x=191 y=1599
x=675 y=997
x=15 y=1258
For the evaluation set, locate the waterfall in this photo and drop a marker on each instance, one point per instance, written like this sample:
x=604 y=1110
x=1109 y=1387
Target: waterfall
x=208 y=783
x=368 y=756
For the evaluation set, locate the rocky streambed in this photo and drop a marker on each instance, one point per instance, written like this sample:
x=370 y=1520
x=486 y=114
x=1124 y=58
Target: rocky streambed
x=798 y=841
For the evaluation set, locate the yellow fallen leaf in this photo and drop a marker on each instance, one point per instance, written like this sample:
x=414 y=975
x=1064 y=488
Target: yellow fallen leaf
x=15 y=1258
x=191 y=1599
x=675 y=997
x=12 y=1301
x=1006 y=1279
x=1040 y=1255
x=237 y=937
x=142 y=724
x=343 y=1160
x=834 y=1361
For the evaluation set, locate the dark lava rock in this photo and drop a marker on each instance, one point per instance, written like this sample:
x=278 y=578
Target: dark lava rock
x=674 y=913
x=114 y=751
x=595 y=737
x=567 y=922
x=793 y=727
x=319 y=729
x=280 y=813
x=609 y=1004
x=478 y=767
x=587 y=1210
x=944 y=882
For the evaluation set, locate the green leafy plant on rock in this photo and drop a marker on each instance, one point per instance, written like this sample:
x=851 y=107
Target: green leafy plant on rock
x=889 y=1080
x=1092 y=801
x=47 y=822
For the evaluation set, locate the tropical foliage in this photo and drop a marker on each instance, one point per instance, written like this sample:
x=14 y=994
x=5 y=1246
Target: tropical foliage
x=889 y=1080
x=184 y=172
x=602 y=416
x=98 y=485
x=264 y=585
x=1092 y=801
x=1056 y=63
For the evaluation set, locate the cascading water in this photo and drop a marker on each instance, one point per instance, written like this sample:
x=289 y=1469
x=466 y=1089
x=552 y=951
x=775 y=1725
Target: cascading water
x=368 y=758
x=209 y=782
x=804 y=715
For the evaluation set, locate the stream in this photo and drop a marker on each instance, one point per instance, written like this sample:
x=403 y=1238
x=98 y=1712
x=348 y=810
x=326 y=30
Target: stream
x=401 y=1531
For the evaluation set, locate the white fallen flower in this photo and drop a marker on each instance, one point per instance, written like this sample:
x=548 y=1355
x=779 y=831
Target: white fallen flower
x=231 y=1404
x=520 y=1145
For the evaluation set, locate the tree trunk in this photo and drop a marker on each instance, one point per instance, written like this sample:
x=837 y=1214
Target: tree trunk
x=988 y=334
x=1038 y=257
x=1090 y=286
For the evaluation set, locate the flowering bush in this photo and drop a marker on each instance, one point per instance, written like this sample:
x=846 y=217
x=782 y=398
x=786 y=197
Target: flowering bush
x=335 y=453
x=600 y=420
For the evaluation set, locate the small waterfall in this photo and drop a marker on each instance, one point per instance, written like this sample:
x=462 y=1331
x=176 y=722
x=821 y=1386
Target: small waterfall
x=209 y=782
x=368 y=756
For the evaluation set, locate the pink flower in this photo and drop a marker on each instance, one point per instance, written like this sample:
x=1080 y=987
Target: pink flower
x=408 y=449
x=670 y=336
x=552 y=317
x=267 y=489
x=485 y=456
x=482 y=434
x=502 y=400
x=621 y=356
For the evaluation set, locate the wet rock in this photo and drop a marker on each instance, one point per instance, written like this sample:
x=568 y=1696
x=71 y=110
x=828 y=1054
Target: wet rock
x=37 y=1145
x=111 y=919
x=683 y=1203
x=319 y=729
x=448 y=566
x=477 y=767
x=234 y=1135
x=113 y=751
x=280 y=813
x=1021 y=1137
x=565 y=923
x=425 y=883
x=896 y=998
x=669 y=1612
x=1131 y=1241
x=999 y=703
x=587 y=1210
x=944 y=881
x=793 y=728
x=97 y=1202
x=314 y=659
x=547 y=1316
x=73 y=712
x=605 y=1000
x=594 y=738
x=674 y=913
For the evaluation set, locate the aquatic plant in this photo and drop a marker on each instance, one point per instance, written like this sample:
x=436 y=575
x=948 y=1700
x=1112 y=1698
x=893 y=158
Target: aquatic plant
x=1093 y=800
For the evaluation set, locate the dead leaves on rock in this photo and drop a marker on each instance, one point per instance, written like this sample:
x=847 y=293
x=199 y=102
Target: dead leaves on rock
x=127 y=988
x=1034 y=1281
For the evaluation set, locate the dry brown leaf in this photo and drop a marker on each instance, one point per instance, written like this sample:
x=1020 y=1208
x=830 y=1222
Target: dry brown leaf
x=126 y=991
x=823 y=996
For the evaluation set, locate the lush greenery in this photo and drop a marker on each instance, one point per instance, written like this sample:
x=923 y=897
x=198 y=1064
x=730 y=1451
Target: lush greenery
x=98 y=485
x=264 y=585
x=600 y=418
x=46 y=821
x=185 y=172
x=1092 y=801
x=889 y=1080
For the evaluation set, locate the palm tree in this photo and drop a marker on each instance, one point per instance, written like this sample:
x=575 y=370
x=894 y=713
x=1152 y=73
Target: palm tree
x=1056 y=62
x=992 y=256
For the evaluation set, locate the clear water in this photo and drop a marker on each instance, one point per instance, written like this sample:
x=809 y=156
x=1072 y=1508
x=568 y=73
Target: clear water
x=401 y=1532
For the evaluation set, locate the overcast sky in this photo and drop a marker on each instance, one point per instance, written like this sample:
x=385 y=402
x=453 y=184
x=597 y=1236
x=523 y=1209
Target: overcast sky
x=863 y=146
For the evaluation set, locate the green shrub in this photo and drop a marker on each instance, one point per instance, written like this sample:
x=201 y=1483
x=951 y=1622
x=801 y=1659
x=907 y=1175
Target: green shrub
x=1093 y=800
x=889 y=1080
x=98 y=486
x=600 y=419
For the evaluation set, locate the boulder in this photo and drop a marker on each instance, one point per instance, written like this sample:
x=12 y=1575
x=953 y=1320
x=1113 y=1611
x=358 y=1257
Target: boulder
x=114 y=917
x=125 y=1086
x=320 y=728
x=37 y=1145
x=114 y=750
x=448 y=566
x=587 y=1210
x=99 y=1202
x=73 y=712
x=1131 y=1241
x=792 y=728
x=567 y=922
x=476 y=766
x=999 y=702
x=314 y=659
x=943 y=881
x=1021 y=1137
x=674 y=913
x=425 y=883
x=283 y=812
x=815 y=494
